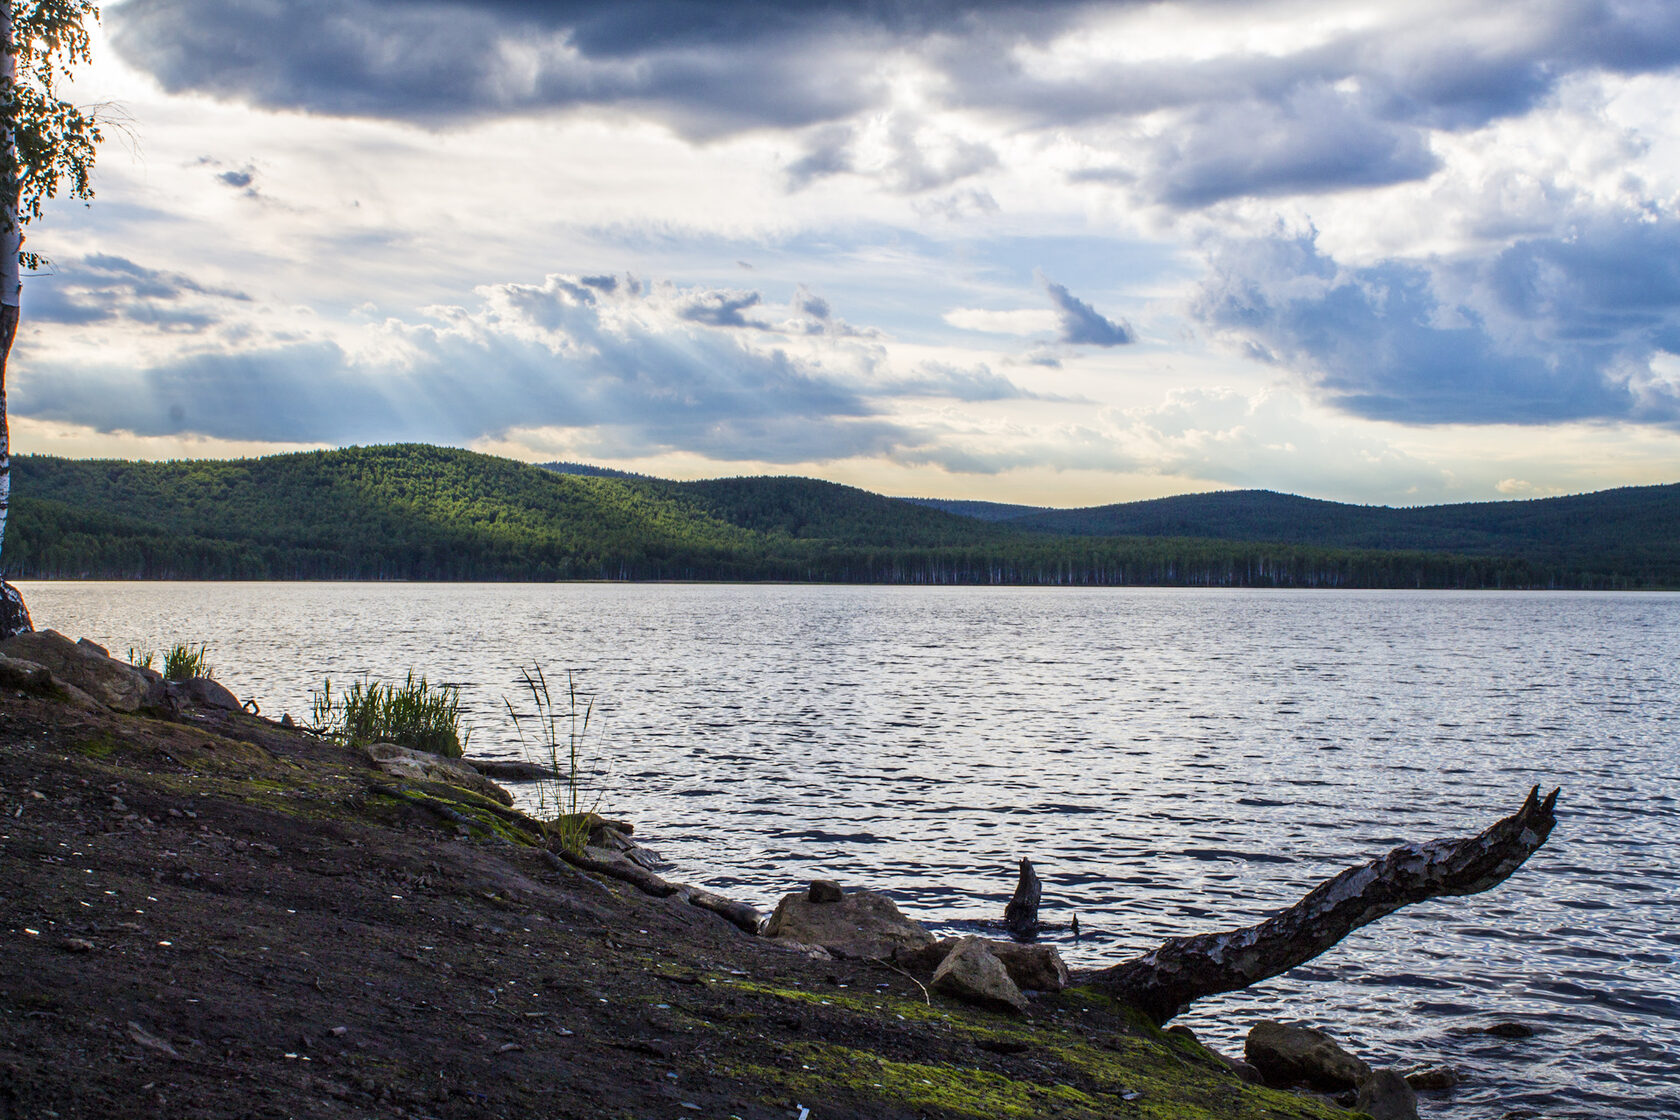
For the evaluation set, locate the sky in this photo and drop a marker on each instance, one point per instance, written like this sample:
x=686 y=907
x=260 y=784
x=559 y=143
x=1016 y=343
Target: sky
x=1054 y=253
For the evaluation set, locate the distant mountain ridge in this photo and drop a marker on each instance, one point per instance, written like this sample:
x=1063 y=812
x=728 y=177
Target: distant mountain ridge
x=420 y=512
x=980 y=511
x=1635 y=524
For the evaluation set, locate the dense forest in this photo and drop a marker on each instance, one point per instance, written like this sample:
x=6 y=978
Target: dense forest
x=428 y=513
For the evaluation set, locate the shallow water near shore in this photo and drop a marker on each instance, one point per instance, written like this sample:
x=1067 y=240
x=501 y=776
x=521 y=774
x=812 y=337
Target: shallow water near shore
x=1173 y=761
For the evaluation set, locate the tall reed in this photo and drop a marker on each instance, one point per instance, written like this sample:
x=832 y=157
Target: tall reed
x=560 y=795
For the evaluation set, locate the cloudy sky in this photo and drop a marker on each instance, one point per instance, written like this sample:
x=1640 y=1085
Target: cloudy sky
x=1061 y=253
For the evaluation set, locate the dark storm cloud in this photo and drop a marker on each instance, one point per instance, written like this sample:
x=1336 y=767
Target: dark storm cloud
x=1349 y=112
x=1314 y=141
x=1550 y=330
x=1080 y=324
x=704 y=67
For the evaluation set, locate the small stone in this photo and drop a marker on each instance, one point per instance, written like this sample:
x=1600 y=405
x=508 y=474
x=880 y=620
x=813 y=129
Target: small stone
x=1288 y=1054
x=1509 y=1030
x=1431 y=1077
x=339 y=1032
x=76 y=945
x=824 y=890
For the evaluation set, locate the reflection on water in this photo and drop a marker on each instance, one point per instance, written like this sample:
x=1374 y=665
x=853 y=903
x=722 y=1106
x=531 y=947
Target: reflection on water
x=1172 y=761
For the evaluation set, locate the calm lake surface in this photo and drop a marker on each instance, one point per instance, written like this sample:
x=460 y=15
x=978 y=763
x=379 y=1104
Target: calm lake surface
x=1172 y=761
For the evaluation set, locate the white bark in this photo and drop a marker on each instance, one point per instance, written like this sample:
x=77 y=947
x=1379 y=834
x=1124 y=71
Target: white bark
x=11 y=240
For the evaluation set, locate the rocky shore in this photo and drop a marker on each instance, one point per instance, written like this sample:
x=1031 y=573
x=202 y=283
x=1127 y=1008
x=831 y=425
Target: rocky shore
x=208 y=914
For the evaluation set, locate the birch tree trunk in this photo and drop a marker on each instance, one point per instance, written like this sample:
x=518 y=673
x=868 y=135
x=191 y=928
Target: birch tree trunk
x=11 y=240
x=13 y=616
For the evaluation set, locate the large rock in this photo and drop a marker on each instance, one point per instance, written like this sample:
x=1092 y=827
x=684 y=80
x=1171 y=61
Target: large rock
x=1289 y=1054
x=972 y=974
x=14 y=616
x=1386 y=1096
x=1037 y=968
x=861 y=925
x=26 y=676
x=87 y=666
x=405 y=762
x=202 y=692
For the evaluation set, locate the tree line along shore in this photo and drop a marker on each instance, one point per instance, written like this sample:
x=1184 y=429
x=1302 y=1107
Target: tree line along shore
x=415 y=512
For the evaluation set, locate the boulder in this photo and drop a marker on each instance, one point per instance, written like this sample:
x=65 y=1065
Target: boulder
x=202 y=692
x=1290 y=1054
x=26 y=676
x=405 y=762
x=972 y=974
x=1386 y=1096
x=1037 y=968
x=862 y=925
x=87 y=666
x=14 y=616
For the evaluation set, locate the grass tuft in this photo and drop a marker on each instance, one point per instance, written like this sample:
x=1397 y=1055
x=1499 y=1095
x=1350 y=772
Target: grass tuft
x=185 y=663
x=181 y=663
x=415 y=714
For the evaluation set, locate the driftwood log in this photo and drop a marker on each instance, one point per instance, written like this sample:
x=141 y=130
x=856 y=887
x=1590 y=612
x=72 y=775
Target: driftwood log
x=1164 y=981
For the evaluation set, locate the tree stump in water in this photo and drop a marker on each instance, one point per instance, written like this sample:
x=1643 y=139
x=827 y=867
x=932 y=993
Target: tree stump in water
x=1020 y=917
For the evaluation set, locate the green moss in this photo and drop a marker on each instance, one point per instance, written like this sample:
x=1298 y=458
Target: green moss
x=1165 y=1076
x=100 y=746
x=824 y=1070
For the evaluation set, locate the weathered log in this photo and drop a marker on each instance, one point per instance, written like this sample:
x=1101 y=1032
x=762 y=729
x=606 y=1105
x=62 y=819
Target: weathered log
x=1020 y=917
x=737 y=914
x=1163 y=982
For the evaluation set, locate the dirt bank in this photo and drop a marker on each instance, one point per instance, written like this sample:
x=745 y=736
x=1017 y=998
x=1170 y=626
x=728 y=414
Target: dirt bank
x=210 y=916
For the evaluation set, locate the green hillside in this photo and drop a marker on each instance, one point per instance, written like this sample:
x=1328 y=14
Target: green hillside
x=430 y=513
x=1634 y=531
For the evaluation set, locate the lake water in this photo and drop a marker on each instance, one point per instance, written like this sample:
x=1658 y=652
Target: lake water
x=1172 y=761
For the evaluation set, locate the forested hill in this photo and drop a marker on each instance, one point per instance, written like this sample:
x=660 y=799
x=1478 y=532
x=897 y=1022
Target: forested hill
x=418 y=512
x=1632 y=529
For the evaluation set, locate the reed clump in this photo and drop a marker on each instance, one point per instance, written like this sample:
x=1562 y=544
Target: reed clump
x=558 y=744
x=414 y=714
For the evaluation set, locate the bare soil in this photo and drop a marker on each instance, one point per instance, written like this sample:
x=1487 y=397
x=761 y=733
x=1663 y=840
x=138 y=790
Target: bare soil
x=210 y=916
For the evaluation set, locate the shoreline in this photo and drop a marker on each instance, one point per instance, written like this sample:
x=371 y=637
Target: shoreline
x=212 y=915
